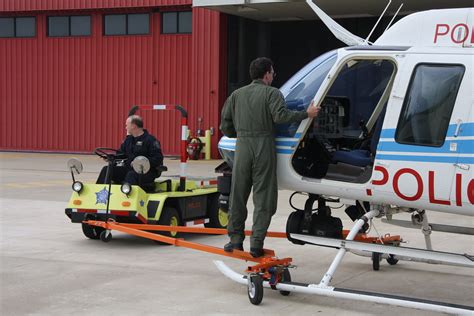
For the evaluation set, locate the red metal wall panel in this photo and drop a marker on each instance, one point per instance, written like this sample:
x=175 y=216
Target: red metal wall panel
x=171 y=83
x=48 y=5
x=72 y=94
x=209 y=66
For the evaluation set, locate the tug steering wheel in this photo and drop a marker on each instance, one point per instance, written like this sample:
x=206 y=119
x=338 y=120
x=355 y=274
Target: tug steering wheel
x=107 y=153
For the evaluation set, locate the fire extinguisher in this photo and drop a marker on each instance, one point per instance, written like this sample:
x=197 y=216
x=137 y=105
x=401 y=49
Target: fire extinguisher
x=194 y=148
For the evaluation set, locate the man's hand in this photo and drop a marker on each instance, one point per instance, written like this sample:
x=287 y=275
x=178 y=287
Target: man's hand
x=313 y=110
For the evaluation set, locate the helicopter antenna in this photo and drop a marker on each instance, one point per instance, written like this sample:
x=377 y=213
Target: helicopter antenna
x=377 y=23
x=394 y=16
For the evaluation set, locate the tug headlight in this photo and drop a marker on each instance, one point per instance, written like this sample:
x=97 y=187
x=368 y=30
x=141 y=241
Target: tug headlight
x=77 y=186
x=126 y=188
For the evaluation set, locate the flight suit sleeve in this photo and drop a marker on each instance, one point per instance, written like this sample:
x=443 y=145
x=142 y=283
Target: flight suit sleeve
x=156 y=156
x=279 y=111
x=227 y=124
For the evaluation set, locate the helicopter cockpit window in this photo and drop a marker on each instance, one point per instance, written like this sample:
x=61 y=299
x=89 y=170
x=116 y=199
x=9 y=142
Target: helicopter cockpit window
x=302 y=87
x=352 y=98
x=429 y=102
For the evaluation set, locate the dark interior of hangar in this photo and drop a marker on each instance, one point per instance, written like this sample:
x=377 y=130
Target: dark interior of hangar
x=290 y=44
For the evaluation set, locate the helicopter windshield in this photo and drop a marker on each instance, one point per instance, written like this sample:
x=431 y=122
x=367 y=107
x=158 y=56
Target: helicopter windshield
x=302 y=87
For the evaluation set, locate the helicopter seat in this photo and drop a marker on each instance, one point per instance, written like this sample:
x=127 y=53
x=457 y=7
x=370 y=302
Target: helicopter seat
x=356 y=157
x=361 y=157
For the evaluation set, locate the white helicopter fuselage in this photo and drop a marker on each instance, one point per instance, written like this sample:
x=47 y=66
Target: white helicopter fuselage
x=424 y=158
x=395 y=133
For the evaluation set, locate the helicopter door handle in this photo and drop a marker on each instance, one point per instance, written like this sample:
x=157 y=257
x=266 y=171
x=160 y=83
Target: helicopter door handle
x=458 y=128
x=462 y=166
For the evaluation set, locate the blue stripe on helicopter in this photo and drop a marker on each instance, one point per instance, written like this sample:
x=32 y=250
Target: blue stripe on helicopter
x=464 y=146
x=437 y=159
x=296 y=136
x=467 y=129
x=286 y=143
x=285 y=151
x=279 y=151
x=454 y=159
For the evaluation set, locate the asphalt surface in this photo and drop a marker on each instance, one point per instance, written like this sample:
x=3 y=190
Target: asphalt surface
x=47 y=266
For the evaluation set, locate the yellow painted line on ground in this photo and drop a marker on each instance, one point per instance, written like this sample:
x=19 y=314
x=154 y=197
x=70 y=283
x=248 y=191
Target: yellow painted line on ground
x=41 y=184
x=36 y=184
x=51 y=182
x=17 y=185
x=11 y=156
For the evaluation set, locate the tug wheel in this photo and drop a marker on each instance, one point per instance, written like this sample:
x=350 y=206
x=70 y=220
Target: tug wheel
x=169 y=217
x=218 y=217
x=255 y=289
x=376 y=261
x=285 y=277
x=106 y=236
x=92 y=232
x=392 y=260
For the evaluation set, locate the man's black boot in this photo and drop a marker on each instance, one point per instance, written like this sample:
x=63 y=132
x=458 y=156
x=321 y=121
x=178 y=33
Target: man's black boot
x=229 y=247
x=256 y=252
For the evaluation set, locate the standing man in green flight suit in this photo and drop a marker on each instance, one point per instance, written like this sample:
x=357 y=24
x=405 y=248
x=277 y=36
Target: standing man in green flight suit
x=250 y=114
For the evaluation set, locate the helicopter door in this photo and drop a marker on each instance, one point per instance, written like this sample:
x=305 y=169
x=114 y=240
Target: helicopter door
x=461 y=141
x=418 y=154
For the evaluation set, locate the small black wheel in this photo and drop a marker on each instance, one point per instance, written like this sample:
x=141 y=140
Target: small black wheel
x=376 y=261
x=255 y=289
x=218 y=217
x=293 y=226
x=106 y=236
x=392 y=260
x=169 y=217
x=285 y=277
x=92 y=232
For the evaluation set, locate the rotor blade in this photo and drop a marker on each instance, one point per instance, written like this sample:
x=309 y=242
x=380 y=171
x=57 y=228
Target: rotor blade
x=340 y=32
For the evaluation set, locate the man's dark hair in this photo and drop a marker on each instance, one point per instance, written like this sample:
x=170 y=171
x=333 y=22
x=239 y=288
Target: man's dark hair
x=259 y=67
x=137 y=120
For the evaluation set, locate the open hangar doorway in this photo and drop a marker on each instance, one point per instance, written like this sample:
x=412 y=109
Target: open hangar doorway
x=290 y=44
